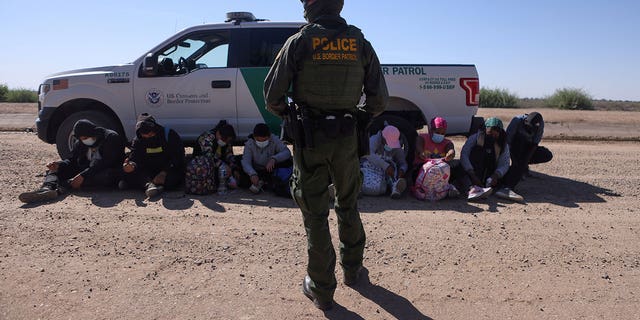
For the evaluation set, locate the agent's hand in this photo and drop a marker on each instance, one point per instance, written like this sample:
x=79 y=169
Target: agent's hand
x=53 y=166
x=255 y=179
x=76 y=182
x=159 y=178
x=271 y=165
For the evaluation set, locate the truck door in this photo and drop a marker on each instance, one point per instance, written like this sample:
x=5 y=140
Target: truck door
x=191 y=88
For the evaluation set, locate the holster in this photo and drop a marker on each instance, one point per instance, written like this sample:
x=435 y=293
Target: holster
x=363 y=119
x=294 y=127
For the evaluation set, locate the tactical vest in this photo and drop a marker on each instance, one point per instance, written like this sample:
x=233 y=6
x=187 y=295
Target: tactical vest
x=332 y=72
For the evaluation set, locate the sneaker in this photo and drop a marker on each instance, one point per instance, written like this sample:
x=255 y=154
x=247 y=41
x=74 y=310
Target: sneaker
x=42 y=194
x=453 y=192
x=257 y=188
x=153 y=190
x=123 y=185
x=398 y=188
x=477 y=192
x=508 y=194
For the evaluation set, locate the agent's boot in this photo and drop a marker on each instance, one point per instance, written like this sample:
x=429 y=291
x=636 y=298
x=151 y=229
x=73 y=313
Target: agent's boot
x=320 y=304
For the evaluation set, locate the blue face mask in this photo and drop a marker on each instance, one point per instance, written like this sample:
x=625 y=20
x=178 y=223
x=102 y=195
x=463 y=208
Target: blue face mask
x=387 y=148
x=437 y=138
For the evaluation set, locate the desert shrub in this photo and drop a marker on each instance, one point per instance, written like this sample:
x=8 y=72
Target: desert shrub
x=3 y=92
x=571 y=99
x=497 y=98
x=22 y=95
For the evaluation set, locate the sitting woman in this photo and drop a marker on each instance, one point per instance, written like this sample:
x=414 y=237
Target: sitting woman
x=431 y=146
x=212 y=167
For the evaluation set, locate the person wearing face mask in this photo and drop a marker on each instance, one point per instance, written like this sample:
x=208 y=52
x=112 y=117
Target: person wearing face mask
x=524 y=134
x=434 y=145
x=263 y=154
x=157 y=159
x=388 y=155
x=95 y=161
x=216 y=146
x=485 y=159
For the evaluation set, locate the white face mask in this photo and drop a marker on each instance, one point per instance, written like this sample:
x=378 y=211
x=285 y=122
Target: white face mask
x=221 y=143
x=89 y=141
x=437 y=138
x=262 y=144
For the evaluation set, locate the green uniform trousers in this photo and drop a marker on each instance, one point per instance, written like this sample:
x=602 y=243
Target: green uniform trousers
x=334 y=162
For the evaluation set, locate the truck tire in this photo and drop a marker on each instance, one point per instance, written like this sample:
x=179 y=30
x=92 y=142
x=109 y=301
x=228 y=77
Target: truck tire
x=64 y=137
x=408 y=133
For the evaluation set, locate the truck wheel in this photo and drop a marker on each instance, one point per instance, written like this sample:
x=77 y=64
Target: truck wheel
x=64 y=137
x=408 y=133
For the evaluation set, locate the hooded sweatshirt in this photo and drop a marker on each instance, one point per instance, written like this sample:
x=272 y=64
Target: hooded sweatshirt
x=256 y=157
x=107 y=152
x=162 y=152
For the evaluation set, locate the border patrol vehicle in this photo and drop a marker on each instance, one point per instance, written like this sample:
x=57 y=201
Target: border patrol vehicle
x=216 y=71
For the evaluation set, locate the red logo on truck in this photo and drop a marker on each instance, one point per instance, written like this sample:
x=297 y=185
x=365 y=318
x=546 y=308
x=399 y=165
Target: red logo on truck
x=472 y=87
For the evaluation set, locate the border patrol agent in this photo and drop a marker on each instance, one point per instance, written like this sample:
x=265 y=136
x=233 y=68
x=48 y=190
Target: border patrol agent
x=329 y=65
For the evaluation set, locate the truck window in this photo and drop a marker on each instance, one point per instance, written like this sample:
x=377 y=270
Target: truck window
x=265 y=43
x=200 y=50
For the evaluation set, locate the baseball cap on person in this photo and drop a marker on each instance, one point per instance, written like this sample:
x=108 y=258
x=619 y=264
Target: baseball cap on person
x=493 y=122
x=391 y=134
x=438 y=122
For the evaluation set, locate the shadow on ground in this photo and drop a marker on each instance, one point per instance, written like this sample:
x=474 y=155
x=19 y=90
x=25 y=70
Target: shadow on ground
x=540 y=188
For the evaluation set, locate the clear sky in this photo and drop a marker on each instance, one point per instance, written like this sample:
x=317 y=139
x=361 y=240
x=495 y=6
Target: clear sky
x=530 y=48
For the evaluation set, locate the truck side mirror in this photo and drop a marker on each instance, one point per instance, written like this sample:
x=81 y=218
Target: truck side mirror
x=150 y=66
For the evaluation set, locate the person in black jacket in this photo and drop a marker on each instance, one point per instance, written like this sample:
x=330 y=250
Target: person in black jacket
x=157 y=158
x=95 y=161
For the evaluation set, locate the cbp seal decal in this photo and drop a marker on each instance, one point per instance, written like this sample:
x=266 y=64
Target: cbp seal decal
x=154 y=97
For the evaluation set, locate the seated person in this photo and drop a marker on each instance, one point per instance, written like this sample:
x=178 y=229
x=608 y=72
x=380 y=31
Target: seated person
x=263 y=153
x=434 y=145
x=96 y=160
x=523 y=137
x=524 y=134
x=157 y=158
x=485 y=158
x=215 y=145
x=387 y=154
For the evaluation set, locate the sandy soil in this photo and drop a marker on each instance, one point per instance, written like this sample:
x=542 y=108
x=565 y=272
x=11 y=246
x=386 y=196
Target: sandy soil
x=570 y=252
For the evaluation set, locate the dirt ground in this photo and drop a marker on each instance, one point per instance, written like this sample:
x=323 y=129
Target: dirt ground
x=571 y=252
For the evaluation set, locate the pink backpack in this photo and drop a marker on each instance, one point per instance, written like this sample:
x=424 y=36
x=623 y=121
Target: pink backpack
x=432 y=182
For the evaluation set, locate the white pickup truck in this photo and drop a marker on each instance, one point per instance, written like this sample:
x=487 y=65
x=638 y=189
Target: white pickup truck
x=216 y=71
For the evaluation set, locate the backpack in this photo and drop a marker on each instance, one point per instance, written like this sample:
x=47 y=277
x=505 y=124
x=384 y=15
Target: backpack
x=280 y=182
x=374 y=182
x=200 y=176
x=432 y=182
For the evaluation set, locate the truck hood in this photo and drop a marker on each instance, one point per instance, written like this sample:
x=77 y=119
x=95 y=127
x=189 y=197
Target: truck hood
x=123 y=68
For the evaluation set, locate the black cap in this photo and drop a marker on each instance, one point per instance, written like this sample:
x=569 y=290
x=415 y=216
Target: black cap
x=261 y=130
x=145 y=124
x=84 y=128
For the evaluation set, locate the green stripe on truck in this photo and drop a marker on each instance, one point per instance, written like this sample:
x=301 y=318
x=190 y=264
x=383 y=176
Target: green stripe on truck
x=254 y=78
